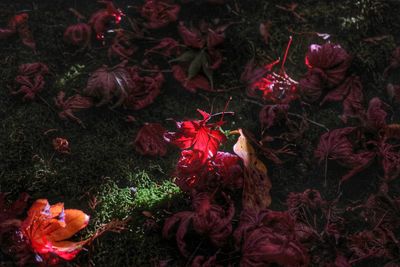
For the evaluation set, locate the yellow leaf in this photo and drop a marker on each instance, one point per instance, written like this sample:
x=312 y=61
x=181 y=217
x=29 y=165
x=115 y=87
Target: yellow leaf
x=256 y=185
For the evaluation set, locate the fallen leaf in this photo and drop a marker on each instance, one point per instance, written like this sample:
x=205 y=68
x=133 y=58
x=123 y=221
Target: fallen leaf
x=256 y=184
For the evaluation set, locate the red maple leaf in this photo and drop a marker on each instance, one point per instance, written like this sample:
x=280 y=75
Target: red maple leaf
x=198 y=135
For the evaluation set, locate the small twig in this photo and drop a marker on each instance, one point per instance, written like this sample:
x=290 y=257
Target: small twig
x=326 y=170
x=77 y=14
x=254 y=102
x=44 y=101
x=309 y=120
x=194 y=252
x=223 y=113
x=148 y=70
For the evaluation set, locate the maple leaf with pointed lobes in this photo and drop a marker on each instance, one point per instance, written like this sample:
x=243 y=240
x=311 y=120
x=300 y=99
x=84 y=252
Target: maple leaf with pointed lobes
x=149 y=140
x=198 y=135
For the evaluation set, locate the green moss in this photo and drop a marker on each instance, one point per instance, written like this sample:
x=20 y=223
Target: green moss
x=153 y=195
x=114 y=202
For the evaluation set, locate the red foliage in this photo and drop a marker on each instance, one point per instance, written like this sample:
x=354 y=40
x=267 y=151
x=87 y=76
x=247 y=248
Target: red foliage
x=121 y=46
x=61 y=145
x=269 y=237
x=19 y=24
x=376 y=114
x=352 y=105
x=159 y=13
x=269 y=85
x=103 y=17
x=191 y=37
x=31 y=79
x=198 y=135
x=389 y=157
x=47 y=228
x=336 y=145
x=70 y=105
x=13 y=242
x=222 y=170
x=11 y=211
x=270 y=115
x=228 y=169
x=144 y=89
x=167 y=47
x=207 y=219
x=311 y=85
x=351 y=93
x=331 y=59
x=78 y=34
x=199 y=82
x=150 y=140
x=108 y=83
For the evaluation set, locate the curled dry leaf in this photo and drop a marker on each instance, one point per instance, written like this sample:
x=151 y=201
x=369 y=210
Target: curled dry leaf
x=61 y=145
x=270 y=115
x=389 y=157
x=121 y=46
x=31 y=79
x=150 y=140
x=159 y=13
x=376 y=114
x=144 y=89
x=19 y=24
x=269 y=237
x=353 y=103
x=311 y=85
x=332 y=59
x=103 y=17
x=228 y=169
x=70 y=105
x=208 y=219
x=223 y=170
x=191 y=37
x=78 y=35
x=336 y=145
x=256 y=183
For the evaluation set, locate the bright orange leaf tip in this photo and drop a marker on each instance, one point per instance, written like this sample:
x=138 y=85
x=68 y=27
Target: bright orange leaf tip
x=48 y=227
